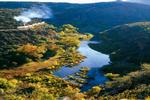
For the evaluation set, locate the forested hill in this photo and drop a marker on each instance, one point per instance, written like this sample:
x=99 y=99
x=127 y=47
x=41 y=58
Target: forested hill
x=92 y=18
x=129 y=42
x=128 y=47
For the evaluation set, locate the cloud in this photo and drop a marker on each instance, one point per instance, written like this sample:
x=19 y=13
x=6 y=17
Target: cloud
x=84 y=1
x=40 y=11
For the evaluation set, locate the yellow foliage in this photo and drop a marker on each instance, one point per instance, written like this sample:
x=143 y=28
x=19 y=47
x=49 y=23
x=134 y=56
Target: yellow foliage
x=51 y=67
x=70 y=41
x=147 y=98
x=62 y=33
x=94 y=91
x=111 y=75
x=14 y=81
x=32 y=50
x=78 y=96
x=70 y=90
x=28 y=48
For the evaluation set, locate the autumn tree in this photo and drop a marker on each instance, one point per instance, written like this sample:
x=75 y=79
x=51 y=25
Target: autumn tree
x=67 y=28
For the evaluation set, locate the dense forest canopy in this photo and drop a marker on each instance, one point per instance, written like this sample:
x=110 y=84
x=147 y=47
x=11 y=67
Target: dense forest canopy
x=128 y=42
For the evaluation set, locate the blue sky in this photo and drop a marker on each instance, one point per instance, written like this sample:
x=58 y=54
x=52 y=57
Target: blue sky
x=70 y=1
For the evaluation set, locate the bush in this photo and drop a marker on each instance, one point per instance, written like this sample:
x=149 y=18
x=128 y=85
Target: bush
x=111 y=76
x=13 y=97
x=94 y=91
x=5 y=84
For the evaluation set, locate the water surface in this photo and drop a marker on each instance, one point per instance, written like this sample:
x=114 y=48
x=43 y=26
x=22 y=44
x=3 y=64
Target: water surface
x=94 y=60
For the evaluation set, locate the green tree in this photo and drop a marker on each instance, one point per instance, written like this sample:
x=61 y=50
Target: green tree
x=67 y=28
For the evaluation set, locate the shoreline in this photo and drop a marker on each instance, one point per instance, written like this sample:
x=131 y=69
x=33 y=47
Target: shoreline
x=93 y=60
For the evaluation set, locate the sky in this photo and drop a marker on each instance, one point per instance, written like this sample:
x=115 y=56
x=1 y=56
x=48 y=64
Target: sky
x=84 y=1
x=70 y=1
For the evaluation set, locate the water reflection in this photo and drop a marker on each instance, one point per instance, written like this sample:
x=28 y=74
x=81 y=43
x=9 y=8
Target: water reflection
x=94 y=60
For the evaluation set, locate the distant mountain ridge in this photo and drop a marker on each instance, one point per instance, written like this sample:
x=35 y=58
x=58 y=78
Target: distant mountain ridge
x=91 y=18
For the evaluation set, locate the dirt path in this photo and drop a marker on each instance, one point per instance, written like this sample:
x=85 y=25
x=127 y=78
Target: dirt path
x=28 y=68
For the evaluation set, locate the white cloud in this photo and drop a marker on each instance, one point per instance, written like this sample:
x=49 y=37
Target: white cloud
x=84 y=1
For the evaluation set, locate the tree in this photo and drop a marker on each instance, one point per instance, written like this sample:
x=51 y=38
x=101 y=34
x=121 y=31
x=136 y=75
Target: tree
x=32 y=51
x=67 y=28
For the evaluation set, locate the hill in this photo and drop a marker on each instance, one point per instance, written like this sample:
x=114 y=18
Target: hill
x=6 y=19
x=129 y=42
x=128 y=71
x=29 y=56
x=91 y=18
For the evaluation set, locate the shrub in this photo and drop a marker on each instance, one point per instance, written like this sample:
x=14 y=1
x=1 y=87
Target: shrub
x=111 y=75
x=31 y=51
x=5 y=84
x=94 y=91
x=13 y=97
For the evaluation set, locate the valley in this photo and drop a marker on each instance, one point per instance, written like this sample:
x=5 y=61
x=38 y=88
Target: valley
x=94 y=60
x=65 y=51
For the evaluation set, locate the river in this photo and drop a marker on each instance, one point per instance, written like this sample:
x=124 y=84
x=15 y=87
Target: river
x=94 y=60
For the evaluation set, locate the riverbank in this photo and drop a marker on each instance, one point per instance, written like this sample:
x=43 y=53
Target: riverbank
x=28 y=60
x=94 y=60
